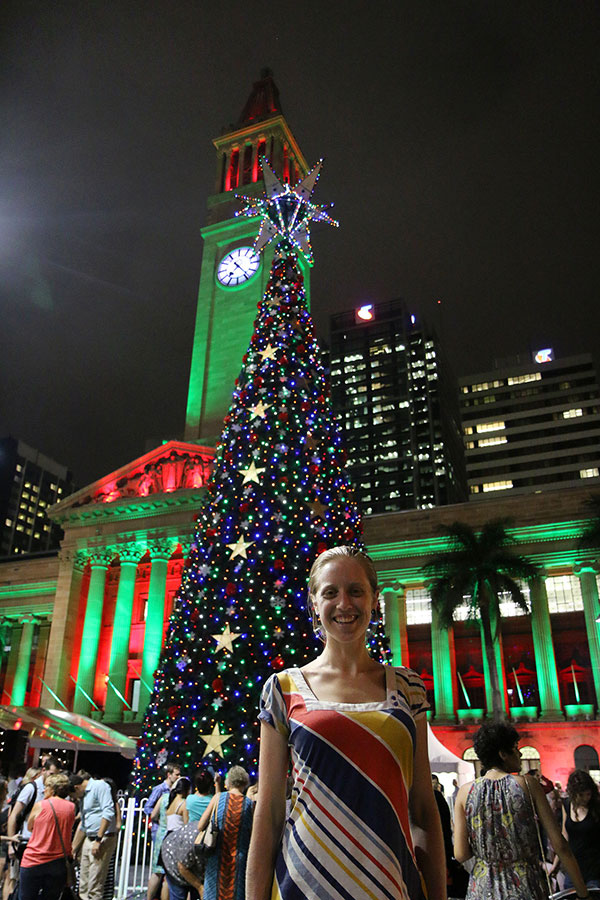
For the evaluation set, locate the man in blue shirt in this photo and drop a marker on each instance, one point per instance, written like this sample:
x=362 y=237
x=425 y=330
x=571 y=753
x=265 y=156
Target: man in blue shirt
x=173 y=775
x=96 y=836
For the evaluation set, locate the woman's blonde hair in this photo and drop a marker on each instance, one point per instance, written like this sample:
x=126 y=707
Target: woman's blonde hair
x=30 y=775
x=59 y=784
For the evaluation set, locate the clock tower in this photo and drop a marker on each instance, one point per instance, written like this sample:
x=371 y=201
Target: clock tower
x=232 y=277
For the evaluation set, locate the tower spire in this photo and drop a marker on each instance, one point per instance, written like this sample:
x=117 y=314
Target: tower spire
x=263 y=101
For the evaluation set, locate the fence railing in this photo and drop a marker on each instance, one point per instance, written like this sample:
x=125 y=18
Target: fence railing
x=134 y=849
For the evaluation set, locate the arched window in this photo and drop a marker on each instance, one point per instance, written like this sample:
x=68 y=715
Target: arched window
x=586 y=758
x=530 y=759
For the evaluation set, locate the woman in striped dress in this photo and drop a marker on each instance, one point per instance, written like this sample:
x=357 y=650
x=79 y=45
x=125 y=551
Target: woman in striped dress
x=363 y=820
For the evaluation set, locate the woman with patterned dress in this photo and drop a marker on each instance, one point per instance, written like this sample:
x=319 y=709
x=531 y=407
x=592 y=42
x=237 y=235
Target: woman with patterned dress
x=494 y=821
x=363 y=821
x=225 y=872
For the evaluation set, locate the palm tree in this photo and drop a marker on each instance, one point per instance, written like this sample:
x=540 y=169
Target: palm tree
x=477 y=569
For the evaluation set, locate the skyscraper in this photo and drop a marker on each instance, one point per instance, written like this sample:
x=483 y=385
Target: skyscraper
x=29 y=483
x=396 y=401
x=532 y=425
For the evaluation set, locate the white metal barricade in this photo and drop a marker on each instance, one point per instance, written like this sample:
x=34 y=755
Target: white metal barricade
x=134 y=850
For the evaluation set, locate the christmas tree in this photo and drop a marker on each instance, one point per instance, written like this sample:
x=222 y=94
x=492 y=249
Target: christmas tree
x=278 y=497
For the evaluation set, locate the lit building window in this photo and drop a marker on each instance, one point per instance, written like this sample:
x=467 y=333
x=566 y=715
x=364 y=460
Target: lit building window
x=474 y=488
x=497 y=485
x=572 y=413
x=489 y=426
x=468 y=429
x=418 y=606
x=489 y=442
x=521 y=379
x=564 y=593
x=8 y=522
x=486 y=385
x=589 y=473
x=19 y=467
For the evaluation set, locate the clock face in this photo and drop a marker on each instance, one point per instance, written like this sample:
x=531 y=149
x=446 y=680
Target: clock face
x=238 y=266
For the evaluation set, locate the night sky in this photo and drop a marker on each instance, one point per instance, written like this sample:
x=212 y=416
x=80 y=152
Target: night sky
x=461 y=149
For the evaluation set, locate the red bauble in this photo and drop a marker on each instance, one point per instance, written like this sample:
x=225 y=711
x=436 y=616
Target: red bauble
x=305 y=405
x=211 y=532
x=283 y=416
x=301 y=349
x=173 y=710
x=349 y=534
x=278 y=663
x=230 y=589
x=279 y=564
x=321 y=548
x=217 y=684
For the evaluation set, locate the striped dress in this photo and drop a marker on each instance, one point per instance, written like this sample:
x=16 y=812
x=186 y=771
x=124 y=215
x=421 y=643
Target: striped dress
x=347 y=836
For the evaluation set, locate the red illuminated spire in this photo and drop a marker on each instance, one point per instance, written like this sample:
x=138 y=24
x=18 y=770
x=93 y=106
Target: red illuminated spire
x=263 y=101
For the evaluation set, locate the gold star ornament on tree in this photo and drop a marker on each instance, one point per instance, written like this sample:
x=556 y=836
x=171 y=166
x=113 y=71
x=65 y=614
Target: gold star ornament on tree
x=225 y=640
x=214 y=741
x=239 y=548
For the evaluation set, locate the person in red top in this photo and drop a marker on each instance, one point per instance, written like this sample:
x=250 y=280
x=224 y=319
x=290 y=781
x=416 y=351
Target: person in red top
x=43 y=872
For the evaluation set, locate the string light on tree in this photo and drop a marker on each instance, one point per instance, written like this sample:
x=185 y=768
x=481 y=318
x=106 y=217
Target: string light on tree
x=278 y=497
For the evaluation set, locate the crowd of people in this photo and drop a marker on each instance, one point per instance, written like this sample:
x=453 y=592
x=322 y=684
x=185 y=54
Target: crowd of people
x=50 y=819
x=347 y=805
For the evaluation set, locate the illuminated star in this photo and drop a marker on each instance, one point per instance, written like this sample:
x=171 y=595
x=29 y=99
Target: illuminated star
x=214 y=741
x=259 y=410
x=226 y=639
x=286 y=212
x=239 y=548
x=268 y=353
x=252 y=473
x=310 y=442
x=318 y=509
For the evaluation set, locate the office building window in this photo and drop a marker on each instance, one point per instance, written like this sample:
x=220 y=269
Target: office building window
x=497 y=485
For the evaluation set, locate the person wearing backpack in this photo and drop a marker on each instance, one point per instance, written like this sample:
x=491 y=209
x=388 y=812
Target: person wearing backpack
x=30 y=794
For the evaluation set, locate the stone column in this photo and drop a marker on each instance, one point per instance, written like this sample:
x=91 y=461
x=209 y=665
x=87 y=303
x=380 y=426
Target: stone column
x=443 y=662
x=155 y=614
x=68 y=609
x=394 y=606
x=90 y=638
x=119 y=648
x=545 y=661
x=586 y=572
x=19 y=686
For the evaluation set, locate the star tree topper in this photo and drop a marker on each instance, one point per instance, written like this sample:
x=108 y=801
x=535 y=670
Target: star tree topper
x=286 y=211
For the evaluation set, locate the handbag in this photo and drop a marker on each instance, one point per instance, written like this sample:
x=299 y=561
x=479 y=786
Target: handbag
x=537 y=828
x=207 y=844
x=68 y=892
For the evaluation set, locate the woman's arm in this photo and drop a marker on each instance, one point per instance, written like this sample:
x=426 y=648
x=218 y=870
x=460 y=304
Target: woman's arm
x=203 y=823
x=560 y=845
x=155 y=815
x=269 y=814
x=462 y=847
x=191 y=877
x=425 y=822
x=33 y=815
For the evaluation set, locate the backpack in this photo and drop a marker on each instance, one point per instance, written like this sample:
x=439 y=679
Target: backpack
x=24 y=814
